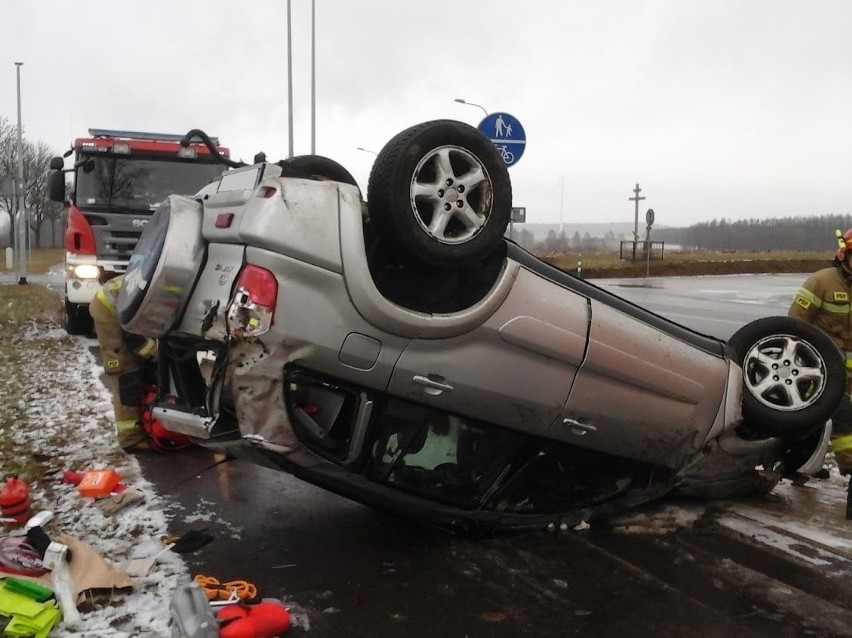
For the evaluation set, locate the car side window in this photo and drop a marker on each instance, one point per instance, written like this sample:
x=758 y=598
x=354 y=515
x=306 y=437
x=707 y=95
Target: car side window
x=445 y=456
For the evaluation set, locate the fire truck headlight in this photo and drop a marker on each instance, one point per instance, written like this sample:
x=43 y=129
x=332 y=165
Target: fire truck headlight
x=86 y=271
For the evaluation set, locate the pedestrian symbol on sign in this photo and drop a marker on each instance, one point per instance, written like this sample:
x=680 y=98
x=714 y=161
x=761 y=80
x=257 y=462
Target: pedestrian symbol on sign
x=501 y=128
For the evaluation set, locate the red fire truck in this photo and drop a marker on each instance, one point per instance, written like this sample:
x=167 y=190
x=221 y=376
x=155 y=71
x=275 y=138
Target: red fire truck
x=120 y=177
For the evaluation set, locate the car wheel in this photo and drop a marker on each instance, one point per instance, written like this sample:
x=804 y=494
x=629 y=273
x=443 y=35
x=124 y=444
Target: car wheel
x=78 y=321
x=315 y=167
x=163 y=267
x=794 y=375
x=440 y=193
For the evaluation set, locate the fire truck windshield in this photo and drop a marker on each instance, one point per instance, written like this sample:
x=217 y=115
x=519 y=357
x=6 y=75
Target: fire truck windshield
x=133 y=183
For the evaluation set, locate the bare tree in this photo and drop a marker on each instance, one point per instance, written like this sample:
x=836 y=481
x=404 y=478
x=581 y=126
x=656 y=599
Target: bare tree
x=36 y=160
x=8 y=168
x=39 y=208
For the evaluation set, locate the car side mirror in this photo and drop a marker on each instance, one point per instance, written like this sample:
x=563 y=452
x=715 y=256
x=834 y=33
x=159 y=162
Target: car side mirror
x=56 y=186
x=57 y=163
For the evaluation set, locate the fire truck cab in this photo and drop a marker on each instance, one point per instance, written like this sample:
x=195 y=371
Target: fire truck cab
x=120 y=178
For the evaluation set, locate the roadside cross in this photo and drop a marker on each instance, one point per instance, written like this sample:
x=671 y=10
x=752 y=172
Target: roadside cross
x=636 y=199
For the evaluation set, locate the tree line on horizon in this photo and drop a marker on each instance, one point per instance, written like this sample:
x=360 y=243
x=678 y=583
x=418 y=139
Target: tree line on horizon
x=800 y=233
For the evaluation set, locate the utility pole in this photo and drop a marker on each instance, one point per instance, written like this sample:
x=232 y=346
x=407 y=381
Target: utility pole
x=636 y=199
x=22 y=223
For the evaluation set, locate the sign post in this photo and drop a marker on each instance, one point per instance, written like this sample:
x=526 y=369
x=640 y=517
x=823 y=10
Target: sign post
x=649 y=221
x=519 y=215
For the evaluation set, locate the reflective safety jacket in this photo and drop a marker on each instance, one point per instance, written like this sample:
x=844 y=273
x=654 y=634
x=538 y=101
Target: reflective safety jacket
x=824 y=301
x=108 y=293
x=108 y=297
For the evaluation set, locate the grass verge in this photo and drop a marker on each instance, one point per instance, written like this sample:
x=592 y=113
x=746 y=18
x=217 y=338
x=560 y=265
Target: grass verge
x=40 y=261
x=608 y=265
x=27 y=314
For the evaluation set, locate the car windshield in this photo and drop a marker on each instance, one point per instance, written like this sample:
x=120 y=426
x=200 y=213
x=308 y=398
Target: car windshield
x=138 y=183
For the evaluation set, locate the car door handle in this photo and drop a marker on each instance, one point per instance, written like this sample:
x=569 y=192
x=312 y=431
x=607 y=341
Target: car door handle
x=579 y=428
x=433 y=383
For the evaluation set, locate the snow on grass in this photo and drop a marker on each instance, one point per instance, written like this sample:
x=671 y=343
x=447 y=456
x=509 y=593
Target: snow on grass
x=56 y=415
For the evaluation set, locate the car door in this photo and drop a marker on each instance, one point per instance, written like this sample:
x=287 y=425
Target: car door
x=515 y=370
x=643 y=392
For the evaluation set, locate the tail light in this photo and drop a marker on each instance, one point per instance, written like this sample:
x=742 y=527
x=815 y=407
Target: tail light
x=253 y=306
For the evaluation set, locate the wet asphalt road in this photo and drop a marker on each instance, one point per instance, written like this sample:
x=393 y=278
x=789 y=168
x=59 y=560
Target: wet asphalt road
x=714 y=305
x=348 y=570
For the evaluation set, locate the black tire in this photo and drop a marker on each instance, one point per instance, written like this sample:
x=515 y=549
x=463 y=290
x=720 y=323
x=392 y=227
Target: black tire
x=794 y=375
x=440 y=193
x=163 y=268
x=78 y=321
x=316 y=167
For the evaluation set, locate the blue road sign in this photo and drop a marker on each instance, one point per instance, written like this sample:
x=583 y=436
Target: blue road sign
x=507 y=134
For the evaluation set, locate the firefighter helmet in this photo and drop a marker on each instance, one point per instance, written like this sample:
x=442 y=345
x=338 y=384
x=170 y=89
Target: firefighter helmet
x=844 y=243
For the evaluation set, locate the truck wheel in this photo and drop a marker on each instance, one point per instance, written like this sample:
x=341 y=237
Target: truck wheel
x=794 y=375
x=440 y=193
x=78 y=321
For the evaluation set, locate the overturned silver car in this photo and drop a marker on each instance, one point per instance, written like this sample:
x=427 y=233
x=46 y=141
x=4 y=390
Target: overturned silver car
x=402 y=352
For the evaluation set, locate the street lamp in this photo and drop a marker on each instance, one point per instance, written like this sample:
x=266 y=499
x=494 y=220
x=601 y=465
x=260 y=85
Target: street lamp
x=289 y=82
x=22 y=223
x=461 y=101
x=367 y=150
x=313 y=78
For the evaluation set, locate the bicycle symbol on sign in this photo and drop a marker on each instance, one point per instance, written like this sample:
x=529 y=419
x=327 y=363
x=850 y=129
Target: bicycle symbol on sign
x=507 y=156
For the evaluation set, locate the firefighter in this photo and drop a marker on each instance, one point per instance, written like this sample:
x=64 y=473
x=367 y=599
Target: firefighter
x=825 y=300
x=129 y=361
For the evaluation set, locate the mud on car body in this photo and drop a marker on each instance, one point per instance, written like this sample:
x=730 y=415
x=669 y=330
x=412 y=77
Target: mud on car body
x=402 y=352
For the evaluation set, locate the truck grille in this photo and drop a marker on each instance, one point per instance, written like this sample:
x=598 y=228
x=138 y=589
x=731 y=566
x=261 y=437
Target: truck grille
x=117 y=245
x=116 y=235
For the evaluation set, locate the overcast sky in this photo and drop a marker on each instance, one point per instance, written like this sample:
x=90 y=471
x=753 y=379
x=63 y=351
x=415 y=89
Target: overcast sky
x=736 y=109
